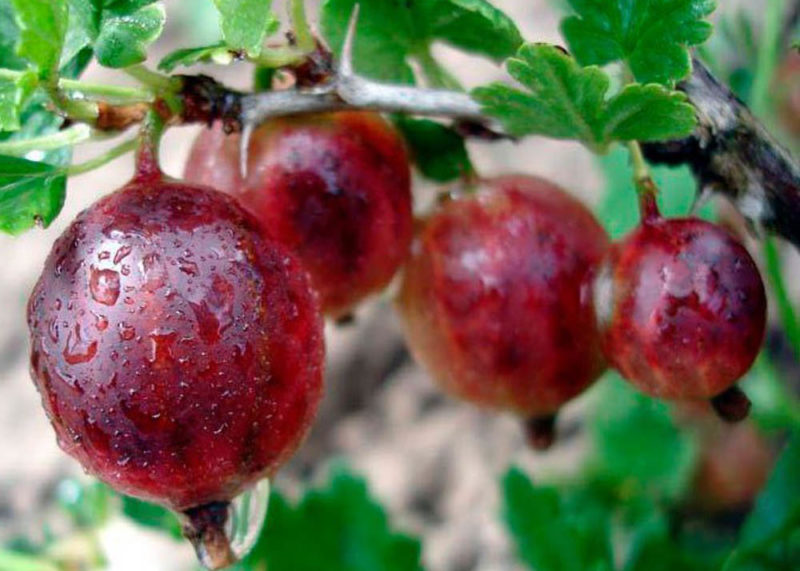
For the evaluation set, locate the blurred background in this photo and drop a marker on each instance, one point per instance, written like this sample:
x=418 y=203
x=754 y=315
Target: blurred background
x=439 y=467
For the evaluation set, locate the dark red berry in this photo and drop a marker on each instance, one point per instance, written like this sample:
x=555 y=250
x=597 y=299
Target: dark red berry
x=178 y=351
x=682 y=308
x=496 y=298
x=335 y=188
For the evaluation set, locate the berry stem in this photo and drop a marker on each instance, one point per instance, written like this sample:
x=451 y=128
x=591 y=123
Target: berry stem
x=204 y=527
x=147 y=165
x=732 y=405
x=645 y=186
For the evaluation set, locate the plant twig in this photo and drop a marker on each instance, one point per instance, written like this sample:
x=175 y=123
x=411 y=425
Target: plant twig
x=732 y=153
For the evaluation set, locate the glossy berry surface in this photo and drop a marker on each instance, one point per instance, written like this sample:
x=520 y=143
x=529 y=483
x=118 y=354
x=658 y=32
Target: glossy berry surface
x=682 y=308
x=177 y=350
x=335 y=188
x=496 y=300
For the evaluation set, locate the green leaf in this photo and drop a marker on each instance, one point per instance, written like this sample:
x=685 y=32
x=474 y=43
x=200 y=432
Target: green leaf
x=474 y=26
x=391 y=33
x=83 y=27
x=652 y=37
x=339 y=528
x=438 y=151
x=152 y=516
x=218 y=53
x=648 y=113
x=13 y=96
x=126 y=29
x=550 y=534
x=9 y=36
x=30 y=193
x=637 y=446
x=566 y=101
x=245 y=23
x=43 y=25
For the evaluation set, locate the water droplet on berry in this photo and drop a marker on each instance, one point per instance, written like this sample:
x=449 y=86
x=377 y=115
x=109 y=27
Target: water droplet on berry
x=121 y=254
x=104 y=286
x=77 y=349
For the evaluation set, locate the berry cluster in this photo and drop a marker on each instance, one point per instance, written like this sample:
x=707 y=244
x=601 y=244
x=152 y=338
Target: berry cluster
x=177 y=335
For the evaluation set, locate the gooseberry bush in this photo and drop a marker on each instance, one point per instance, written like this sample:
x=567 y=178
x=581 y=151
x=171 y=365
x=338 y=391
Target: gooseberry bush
x=176 y=330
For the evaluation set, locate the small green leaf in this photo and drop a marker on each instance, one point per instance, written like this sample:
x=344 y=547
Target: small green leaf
x=245 y=23
x=126 y=29
x=567 y=101
x=43 y=25
x=564 y=101
x=152 y=516
x=550 y=533
x=653 y=38
x=391 y=33
x=348 y=531
x=13 y=96
x=438 y=151
x=648 y=113
x=218 y=53
x=30 y=193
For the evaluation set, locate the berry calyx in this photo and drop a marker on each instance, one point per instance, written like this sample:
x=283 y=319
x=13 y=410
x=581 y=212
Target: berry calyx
x=682 y=310
x=496 y=300
x=178 y=351
x=335 y=188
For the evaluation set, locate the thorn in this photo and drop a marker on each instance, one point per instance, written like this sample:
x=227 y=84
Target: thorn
x=346 y=63
x=244 y=145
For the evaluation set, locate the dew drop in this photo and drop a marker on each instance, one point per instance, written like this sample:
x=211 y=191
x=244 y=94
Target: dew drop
x=126 y=332
x=188 y=267
x=104 y=286
x=78 y=350
x=121 y=254
x=154 y=272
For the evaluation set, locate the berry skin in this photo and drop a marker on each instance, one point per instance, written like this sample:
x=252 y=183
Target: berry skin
x=177 y=350
x=682 y=310
x=496 y=302
x=335 y=188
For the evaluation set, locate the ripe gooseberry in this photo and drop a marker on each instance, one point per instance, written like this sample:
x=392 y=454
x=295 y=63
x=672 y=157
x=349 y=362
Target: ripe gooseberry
x=177 y=350
x=682 y=311
x=334 y=187
x=496 y=299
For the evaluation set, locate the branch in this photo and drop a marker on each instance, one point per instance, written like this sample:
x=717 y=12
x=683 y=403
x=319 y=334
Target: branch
x=348 y=91
x=731 y=153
